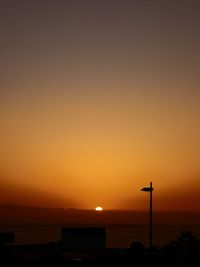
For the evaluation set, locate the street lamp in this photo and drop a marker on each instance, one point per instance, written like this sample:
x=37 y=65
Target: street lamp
x=150 y=190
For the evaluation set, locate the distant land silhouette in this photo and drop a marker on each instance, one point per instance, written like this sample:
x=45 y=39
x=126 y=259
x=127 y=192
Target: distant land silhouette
x=10 y=213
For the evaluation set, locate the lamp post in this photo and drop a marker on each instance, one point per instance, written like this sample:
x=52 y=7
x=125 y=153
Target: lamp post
x=150 y=190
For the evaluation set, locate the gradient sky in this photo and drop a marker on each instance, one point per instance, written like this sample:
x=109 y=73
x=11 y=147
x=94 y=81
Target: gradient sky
x=97 y=98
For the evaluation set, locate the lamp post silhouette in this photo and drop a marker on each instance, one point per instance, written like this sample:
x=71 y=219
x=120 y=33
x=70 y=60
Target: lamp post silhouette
x=150 y=190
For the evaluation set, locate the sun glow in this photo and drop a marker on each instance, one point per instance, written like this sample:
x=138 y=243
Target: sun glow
x=99 y=209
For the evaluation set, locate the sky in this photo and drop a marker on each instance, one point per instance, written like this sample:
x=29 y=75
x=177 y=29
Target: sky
x=97 y=98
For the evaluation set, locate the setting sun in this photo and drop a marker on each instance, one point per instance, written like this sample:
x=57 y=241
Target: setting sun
x=99 y=209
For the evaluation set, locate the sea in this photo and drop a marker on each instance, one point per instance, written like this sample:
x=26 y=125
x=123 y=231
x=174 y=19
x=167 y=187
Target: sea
x=117 y=236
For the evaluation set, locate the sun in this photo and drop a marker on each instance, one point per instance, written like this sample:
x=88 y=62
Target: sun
x=99 y=209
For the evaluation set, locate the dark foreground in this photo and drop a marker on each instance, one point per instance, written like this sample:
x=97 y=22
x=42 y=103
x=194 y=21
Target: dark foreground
x=185 y=251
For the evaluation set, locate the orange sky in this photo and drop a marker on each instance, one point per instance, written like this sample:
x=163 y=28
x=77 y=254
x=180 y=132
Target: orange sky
x=96 y=100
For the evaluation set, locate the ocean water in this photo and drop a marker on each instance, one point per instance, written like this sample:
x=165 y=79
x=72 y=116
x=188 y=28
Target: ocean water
x=117 y=236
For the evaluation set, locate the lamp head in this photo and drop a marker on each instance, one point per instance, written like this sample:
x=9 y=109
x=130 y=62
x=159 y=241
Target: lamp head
x=147 y=189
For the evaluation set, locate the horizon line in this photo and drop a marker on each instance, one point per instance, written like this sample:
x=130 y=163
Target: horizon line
x=93 y=210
